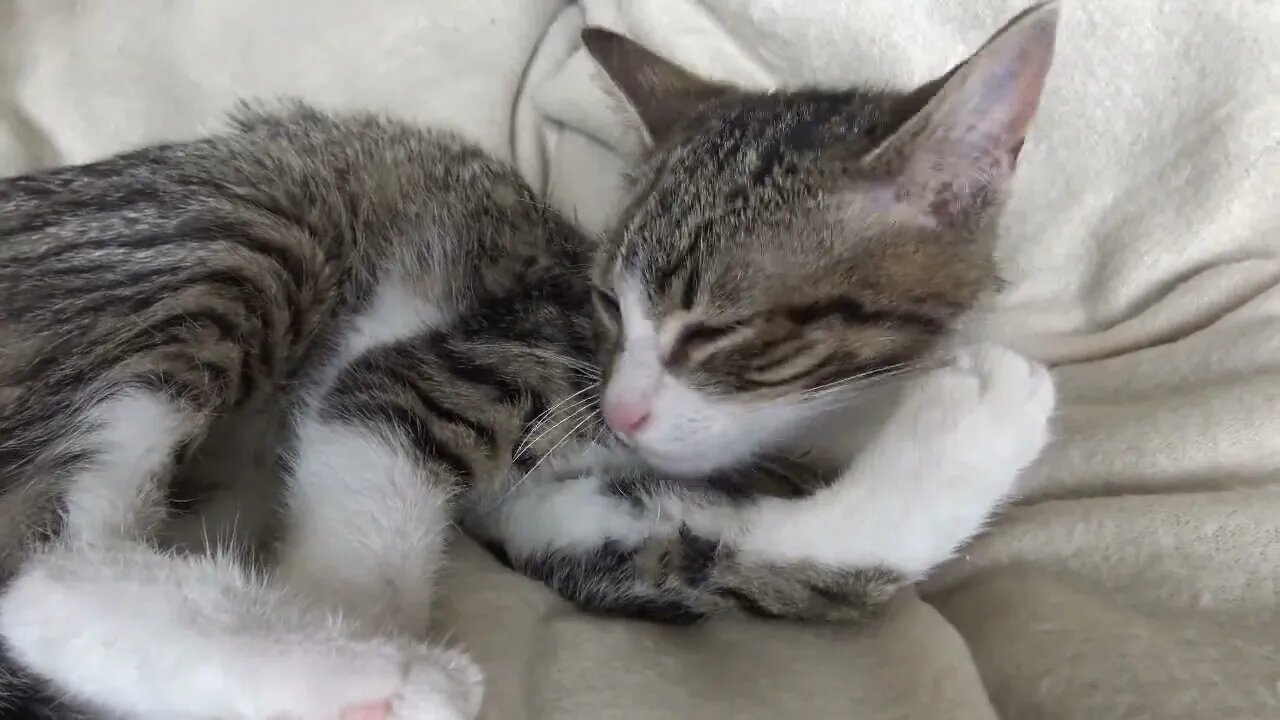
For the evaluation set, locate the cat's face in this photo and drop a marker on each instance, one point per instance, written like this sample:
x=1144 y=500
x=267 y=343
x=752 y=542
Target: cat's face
x=783 y=248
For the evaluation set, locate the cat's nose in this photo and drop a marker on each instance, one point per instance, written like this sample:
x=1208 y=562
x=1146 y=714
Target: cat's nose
x=626 y=418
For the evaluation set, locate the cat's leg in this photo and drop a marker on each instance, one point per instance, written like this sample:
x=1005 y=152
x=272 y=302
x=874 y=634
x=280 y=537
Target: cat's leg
x=613 y=549
x=138 y=634
x=369 y=502
x=945 y=462
x=109 y=622
x=596 y=543
x=70 y=614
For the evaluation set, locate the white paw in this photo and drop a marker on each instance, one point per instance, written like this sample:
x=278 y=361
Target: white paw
x=227 y=645
x=945 y=462
x=442 y=684
x=379 y=682
x=436 y=685
x=991 y=404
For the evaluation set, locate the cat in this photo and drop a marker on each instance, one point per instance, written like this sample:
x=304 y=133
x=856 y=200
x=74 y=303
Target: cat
x=737 y=241
x=425 y=318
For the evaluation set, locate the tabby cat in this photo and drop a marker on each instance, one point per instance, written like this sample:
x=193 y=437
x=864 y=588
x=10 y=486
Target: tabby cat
x=438 y=336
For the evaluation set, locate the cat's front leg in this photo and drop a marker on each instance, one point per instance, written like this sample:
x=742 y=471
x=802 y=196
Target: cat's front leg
x=933 y=476
x=947 y=460
x=654 y=553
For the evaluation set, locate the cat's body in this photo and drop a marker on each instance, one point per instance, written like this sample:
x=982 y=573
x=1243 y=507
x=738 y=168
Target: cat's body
x=437 y=338
x=152 y=296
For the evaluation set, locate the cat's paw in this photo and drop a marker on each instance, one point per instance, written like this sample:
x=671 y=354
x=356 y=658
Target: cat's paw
x=946 y=461
x=803 y=590
x=373 y=679
x=437 y=685
x=441 y=685
x=991 y=402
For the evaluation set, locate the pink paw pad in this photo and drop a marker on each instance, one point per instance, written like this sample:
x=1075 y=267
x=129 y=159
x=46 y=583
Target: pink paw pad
x=376 y=710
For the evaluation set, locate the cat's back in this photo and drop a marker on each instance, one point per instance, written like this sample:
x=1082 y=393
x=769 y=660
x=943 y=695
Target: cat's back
x=261 y=233
x=288 y=206
x=347 y=179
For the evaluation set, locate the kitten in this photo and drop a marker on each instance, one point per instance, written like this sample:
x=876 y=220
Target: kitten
x=781 y=252
x=422 y=314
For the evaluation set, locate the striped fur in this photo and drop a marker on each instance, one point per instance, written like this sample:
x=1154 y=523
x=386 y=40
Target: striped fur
x=213 y=273
x=217 y=273
x=785 y=249
x=219 y=269
x=439 y=338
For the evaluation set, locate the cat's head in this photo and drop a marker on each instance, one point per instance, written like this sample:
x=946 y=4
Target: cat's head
x=781 y=245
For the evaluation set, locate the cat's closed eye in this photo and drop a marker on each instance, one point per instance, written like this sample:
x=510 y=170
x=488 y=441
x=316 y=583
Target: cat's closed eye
x=702 y=333
x=698 y=336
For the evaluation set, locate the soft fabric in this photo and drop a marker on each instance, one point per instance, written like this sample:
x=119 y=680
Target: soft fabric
x=80 y=80
x=1139 y=578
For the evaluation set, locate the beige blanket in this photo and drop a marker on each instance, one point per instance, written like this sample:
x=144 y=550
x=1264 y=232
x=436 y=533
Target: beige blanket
x=1140 y=578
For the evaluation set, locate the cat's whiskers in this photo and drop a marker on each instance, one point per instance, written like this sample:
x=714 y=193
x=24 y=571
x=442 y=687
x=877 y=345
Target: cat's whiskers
x=574 y=402
x=565 y=438
x=545 y=415
x=855 y=377
x=859 y=381
x=595 y=439
x=587 y=405
x=842 y=396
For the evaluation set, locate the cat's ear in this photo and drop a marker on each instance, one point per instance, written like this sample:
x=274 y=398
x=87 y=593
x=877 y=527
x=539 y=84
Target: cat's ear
x=954 y=157
x=662 y=93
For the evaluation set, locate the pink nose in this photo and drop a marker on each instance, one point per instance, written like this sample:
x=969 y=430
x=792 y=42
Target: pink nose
x=626 y=418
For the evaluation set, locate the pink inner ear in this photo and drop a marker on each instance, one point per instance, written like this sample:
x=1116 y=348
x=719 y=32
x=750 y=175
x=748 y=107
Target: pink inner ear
x=956 y=156
x=990 y=103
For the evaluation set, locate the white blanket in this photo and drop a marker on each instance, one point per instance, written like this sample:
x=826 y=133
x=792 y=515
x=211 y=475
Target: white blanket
x=1140 y=578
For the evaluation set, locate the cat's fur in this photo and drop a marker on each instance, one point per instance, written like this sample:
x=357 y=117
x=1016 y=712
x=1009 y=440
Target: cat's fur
x=776 y=243
x=424 y=318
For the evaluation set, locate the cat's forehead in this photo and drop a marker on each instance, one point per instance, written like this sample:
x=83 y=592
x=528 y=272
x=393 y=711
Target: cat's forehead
x=735 y=267
x=739 y=140
x=739 y=159
x=728 y=209
x=793 y=121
